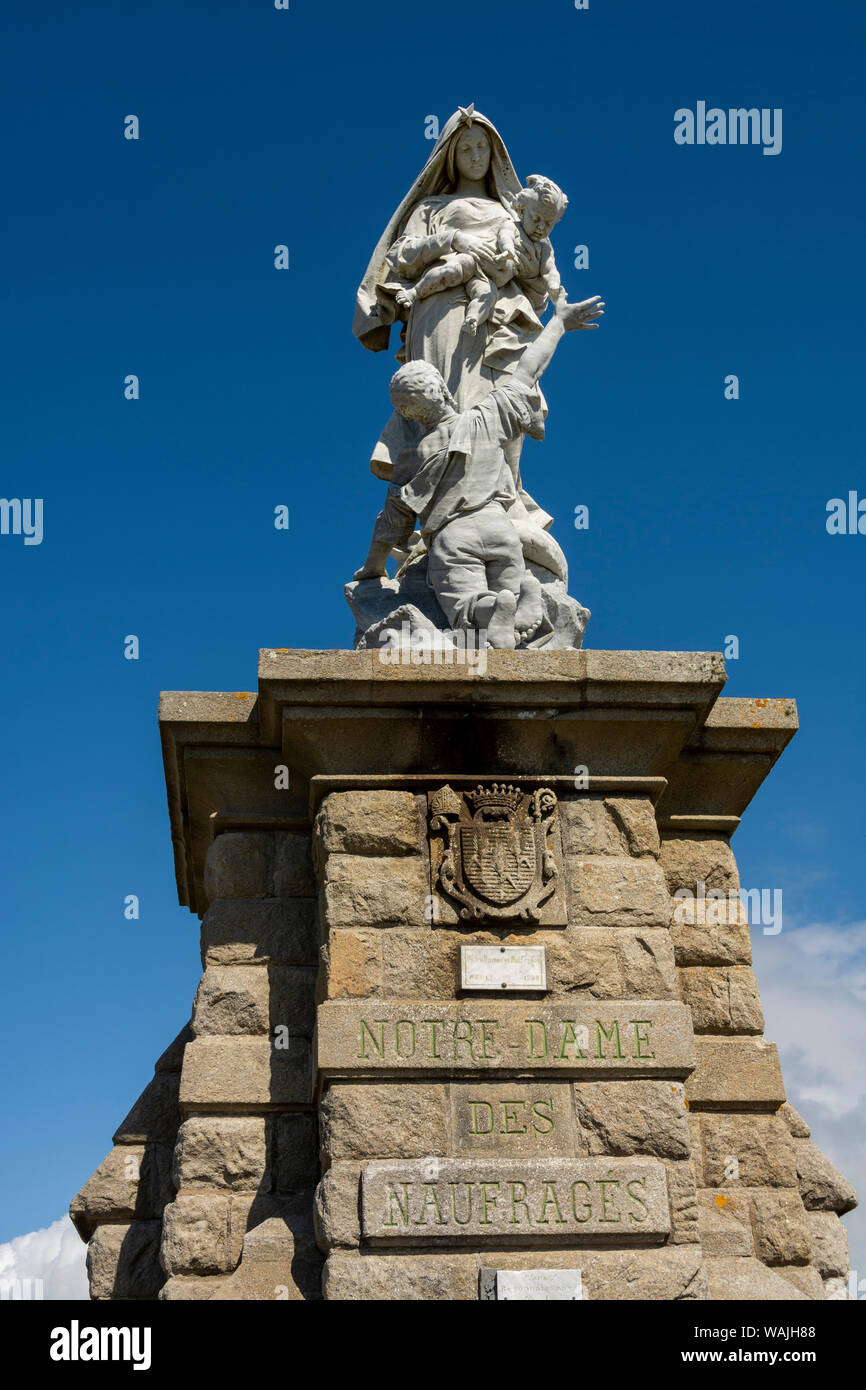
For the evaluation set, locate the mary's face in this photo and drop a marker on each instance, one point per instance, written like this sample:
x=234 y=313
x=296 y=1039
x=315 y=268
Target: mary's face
x=473 y=152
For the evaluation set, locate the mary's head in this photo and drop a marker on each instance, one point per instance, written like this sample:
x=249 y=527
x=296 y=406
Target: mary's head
x=469 y=152
x=467 y=159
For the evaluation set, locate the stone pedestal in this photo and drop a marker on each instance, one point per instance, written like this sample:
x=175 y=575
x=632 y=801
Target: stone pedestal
x=344 y=1118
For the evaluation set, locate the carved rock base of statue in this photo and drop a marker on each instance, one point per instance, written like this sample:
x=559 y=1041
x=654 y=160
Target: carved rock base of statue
x=393 y=613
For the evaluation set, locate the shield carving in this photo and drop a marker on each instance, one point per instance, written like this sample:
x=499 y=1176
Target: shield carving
x=499 y=860
x=496 y=848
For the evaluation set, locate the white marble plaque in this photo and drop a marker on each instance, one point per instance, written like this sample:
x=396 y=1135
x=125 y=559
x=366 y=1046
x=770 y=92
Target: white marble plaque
x=538 y=1285
x=503 y=967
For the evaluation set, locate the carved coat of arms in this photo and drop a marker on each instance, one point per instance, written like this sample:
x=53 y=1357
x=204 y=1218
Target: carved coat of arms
x=499 y=853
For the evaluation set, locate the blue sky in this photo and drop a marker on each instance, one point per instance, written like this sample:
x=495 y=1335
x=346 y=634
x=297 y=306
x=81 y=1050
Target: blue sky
x=155 y=257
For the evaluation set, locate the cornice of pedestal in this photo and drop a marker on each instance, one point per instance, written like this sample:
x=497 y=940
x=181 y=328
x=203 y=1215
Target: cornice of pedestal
x=723 y=764
x=340 y=716
x=526 y=681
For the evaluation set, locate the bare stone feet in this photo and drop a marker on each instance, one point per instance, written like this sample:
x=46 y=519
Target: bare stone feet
x=406 y=298
x=495 y=613
x=530 y=610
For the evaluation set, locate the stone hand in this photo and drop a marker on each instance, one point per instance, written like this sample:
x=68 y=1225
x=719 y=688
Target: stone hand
x=473 y=245
x=580 y=315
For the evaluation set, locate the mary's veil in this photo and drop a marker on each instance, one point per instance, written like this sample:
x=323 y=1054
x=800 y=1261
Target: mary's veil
x=373 y=316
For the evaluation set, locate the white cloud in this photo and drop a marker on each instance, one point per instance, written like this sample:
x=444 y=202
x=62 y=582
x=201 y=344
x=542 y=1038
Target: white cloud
x=813 y=987
x=56 y=1255
x=812 y=980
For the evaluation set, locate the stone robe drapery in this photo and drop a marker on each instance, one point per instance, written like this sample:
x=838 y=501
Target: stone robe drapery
x=461 y=465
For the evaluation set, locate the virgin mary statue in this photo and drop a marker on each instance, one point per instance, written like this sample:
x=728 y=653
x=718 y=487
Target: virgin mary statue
x=457 y=204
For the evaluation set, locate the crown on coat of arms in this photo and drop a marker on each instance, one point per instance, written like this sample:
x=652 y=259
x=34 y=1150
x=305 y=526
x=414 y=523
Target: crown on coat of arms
x=499 y=798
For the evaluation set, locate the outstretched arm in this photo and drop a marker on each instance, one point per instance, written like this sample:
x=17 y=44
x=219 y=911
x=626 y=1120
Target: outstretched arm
x=549 y=276
x=537 y=356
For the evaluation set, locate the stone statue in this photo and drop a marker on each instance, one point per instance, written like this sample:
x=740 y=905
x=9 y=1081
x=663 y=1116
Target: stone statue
x=467 y=266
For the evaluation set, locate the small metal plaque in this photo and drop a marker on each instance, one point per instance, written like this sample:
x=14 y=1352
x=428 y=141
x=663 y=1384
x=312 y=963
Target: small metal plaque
x=503 y=967
x=531 y=1285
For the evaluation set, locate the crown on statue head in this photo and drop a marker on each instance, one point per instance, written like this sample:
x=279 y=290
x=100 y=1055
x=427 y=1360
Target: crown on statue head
x=499 y=797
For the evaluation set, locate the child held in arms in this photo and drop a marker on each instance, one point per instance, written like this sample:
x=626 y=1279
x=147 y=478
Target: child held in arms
x=522 y=251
